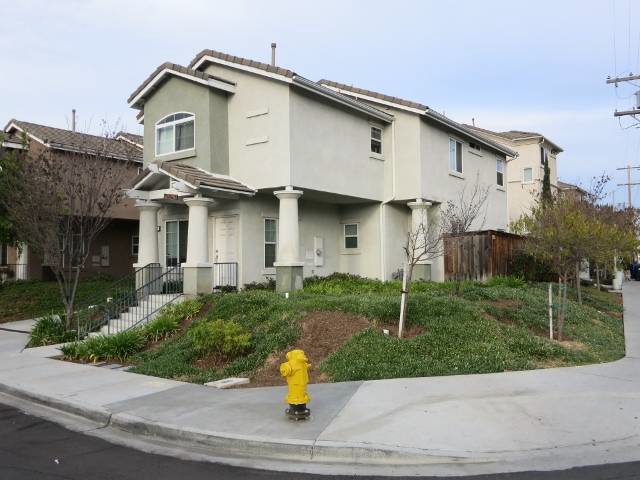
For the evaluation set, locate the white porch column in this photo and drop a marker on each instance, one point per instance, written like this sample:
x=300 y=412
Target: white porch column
x=198 y=271
x=147 y=233
x=419 y=216
x=288 y=265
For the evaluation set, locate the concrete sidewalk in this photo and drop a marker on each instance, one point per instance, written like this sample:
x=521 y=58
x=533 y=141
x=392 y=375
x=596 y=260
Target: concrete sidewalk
x=467 y=424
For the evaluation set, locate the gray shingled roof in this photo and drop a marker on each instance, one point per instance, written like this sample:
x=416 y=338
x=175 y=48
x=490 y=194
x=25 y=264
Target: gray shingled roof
x=201 y=178
x=513 y=135
x=61 y=139
x=176 y=68
x=241 y=61
x=371 y=93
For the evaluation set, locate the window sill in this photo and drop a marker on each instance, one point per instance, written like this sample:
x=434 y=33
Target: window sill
x=350 y=251
x=528 y=183
x=500 y=188
x=269 y=271
x=375 y=156
x=456 y=174
x=177 y=155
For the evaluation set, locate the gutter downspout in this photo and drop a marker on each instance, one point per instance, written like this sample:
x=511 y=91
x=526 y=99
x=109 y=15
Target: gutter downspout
x=383 y=262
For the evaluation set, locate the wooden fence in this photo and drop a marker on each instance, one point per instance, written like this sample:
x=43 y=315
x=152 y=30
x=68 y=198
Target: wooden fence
x=479 y=255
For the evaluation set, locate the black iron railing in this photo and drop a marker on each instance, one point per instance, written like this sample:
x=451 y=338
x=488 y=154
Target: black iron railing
x=160 y=288
x=225 y=276
x=13 y=271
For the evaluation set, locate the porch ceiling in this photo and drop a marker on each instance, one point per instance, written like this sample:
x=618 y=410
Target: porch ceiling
x=325 y=197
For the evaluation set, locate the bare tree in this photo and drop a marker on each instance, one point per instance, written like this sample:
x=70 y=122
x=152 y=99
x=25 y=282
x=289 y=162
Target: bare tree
x=61 y=202
x=425 y=240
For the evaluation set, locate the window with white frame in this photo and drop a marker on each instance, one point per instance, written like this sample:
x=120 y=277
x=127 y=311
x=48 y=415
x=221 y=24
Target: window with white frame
x=500 y=171
x=175 y=133
x=135 y=245
x=351 y=240
x=176 y=232
x=270 y=241
x=376 y=140
x=455 y=155
x=527 y=175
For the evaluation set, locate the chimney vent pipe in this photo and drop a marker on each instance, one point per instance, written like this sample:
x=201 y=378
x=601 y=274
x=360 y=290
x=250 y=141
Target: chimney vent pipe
x=273 y=54
x=73 y=120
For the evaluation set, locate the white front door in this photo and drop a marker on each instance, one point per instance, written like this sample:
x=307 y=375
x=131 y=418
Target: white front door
x=225 y=251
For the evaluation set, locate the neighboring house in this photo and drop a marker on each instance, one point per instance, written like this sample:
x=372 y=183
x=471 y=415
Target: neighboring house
x=253 y=171
x=573 y=191
x=115 y=249
x=526 y=171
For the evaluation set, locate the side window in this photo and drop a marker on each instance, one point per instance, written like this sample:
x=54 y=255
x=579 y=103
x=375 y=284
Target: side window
x=527 y=175
x=351 y=236
x=500 y=172
x=175 y=133
x=376 y=140
x=455 y=155
x=135 y=245
x=270 y=241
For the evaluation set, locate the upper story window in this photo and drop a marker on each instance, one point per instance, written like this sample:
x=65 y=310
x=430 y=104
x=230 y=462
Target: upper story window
x=376 y=140
x=527 y=175
x=175 y=133
x=543 y=155
x=455 y=155
x=500 y=171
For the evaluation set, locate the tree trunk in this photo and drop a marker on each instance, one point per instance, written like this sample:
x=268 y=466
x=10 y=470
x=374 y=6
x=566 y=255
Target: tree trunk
x=578 y=286
x=404 y=301
x=598 y=276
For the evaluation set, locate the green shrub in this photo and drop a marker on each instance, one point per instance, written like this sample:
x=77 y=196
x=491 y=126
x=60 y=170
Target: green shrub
x=269 y=284
x=50 y=330
x=115 y=347
x=222 y=338
x=509 y=281
x=161 y=327
x=531 y=269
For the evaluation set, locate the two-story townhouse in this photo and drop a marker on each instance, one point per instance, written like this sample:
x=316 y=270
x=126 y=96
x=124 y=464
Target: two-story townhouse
x=116 y=247
x=526 y=171
x=253 y=166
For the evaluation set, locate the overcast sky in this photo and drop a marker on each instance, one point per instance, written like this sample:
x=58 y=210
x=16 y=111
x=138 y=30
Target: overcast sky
x=534 y=65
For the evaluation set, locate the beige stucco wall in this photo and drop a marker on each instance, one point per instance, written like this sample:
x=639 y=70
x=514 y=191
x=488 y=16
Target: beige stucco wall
x=366 y=261
x=210 y=150
x=331 y=149
x=258 y=117
x=440 y=185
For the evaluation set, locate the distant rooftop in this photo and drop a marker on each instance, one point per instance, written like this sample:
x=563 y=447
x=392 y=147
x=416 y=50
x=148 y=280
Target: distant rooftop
x=62 y=139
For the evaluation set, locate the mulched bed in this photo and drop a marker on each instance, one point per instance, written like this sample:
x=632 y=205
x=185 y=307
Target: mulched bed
x=323 y=333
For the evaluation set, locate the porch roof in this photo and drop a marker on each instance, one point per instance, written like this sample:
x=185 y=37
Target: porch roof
x=193 y=177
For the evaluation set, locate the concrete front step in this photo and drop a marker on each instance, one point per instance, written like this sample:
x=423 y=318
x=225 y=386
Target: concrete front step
x=138 y=315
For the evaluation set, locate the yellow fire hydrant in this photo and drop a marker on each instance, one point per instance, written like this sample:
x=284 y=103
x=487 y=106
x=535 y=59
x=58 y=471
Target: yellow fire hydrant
x=295 y=370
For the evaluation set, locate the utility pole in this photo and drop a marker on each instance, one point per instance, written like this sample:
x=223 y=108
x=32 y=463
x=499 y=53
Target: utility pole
x=636 y=109
x=629 y=184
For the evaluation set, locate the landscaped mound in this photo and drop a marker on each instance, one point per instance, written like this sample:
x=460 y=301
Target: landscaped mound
x=339 y=322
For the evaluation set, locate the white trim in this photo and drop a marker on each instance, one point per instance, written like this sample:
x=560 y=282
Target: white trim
x=373 y=99
x=246 y=68
x=355 y=249
x=209 y=83
x=503 y=172
x=13 y=125
x=173 y=124
x=17 y=146
x=128 y=140
x=257 y=112
x=371 y=140
x=257 y=140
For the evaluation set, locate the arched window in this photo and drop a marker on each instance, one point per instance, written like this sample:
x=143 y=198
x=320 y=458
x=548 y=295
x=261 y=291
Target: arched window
x=175 y=133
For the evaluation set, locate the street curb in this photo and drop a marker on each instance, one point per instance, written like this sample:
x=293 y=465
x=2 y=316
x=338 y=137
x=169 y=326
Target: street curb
x=225 y=444
x=89 y=412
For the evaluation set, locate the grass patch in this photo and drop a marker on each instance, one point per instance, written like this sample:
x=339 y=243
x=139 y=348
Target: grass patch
x=22 y=300
x=493 y=327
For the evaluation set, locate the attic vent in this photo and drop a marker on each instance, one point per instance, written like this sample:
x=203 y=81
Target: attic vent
x=475 y=146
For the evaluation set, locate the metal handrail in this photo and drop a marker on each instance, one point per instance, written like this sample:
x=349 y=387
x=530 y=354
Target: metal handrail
x=225 y=275
x=94 y=313
x=149 y=298
x=13 y=272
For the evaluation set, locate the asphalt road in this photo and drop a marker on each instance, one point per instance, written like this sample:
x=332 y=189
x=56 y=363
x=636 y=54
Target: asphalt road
x=35 y=449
